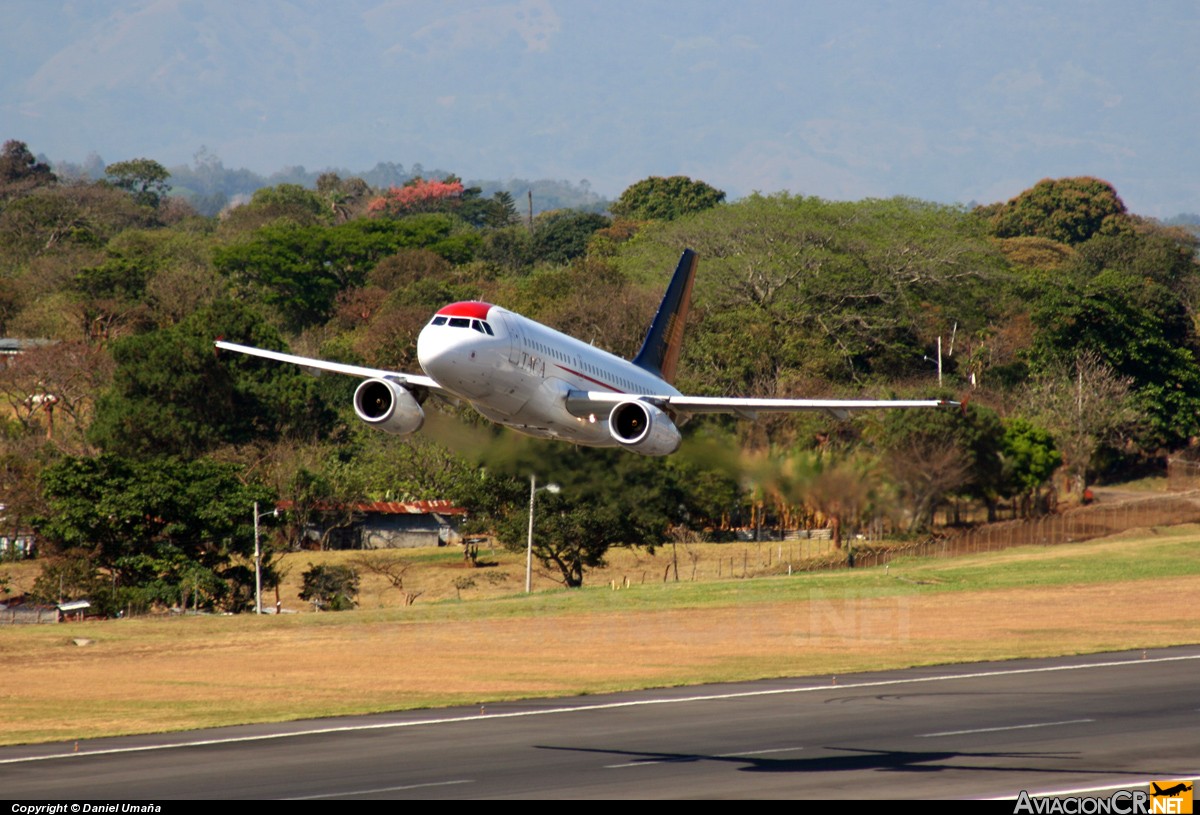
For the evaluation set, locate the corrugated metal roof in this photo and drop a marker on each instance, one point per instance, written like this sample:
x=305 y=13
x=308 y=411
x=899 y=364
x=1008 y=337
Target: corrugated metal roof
x=440 y=507
x=412 y=508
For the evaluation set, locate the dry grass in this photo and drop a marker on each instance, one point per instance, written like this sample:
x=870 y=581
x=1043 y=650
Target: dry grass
x=147 y=675
x=434 y=572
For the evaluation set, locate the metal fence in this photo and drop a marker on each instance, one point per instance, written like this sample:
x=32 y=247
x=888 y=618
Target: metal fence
x=1182 y=474
x=1079 y=524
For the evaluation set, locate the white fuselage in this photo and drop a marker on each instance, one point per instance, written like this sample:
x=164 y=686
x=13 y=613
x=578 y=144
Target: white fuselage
x=518 y=372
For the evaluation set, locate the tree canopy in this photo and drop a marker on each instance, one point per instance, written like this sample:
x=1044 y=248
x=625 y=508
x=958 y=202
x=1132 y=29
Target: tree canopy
x=1068 y=210
x=172 y=394
x=160 y=526
x=1070 y=321
x=143 y=178
x=20 y=171
x=665 y=199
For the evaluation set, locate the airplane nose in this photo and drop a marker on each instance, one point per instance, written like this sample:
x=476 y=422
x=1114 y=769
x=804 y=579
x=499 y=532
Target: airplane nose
x=453 y=356
x=432 y=348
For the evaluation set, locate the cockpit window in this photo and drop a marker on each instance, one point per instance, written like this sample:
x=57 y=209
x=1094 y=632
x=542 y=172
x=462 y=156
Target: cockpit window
x=464 y=322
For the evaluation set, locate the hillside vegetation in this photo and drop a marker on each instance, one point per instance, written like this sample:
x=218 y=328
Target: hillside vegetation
x=136 y=453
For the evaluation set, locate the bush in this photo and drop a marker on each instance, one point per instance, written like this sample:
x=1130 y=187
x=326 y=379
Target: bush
x=330 y=587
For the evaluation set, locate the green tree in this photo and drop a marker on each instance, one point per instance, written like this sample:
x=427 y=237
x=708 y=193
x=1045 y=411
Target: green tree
x=1140 y=329
x=794 y=292
x=70 y=577
x=291 y=201
x=172 y=393
x=575 y=528
x=1029 y=458
x=112 y=293
x=301 y=269
x=156 y=524
x=1164 y=255
x=20 y=171
x=665 y=199
x=570 y=536
x=324 y=497
x=345 y=198
x=1067 y=210
x=931 y=455
x=331 y=587
x=143 y=178
x=53 y=218
x=562 y=235
x=511 y=248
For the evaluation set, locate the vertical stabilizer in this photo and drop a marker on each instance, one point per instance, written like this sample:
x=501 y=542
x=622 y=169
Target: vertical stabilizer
x=660 y=351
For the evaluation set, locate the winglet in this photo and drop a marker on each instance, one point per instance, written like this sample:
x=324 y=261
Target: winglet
x=660 y=350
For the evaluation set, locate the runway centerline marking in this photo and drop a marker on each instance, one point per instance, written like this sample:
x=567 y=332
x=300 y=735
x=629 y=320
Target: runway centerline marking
x=382 y=789
x=999 y=729
x=356 y=728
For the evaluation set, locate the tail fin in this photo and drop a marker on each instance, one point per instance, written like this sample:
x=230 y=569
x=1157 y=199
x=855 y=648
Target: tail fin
x=660 y=350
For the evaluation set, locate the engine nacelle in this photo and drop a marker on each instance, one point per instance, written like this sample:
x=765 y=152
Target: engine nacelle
x=387 y=406
x=643 y=428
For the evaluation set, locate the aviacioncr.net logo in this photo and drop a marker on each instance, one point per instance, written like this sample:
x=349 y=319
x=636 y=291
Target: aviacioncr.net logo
x=1163 y=798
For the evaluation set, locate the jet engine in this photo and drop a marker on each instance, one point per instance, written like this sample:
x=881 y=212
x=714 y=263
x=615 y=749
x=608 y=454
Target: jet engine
x=643 y=428
x=387 y=406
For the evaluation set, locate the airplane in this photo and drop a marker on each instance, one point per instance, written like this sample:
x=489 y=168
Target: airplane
x=541 y=382
x=1169 y=791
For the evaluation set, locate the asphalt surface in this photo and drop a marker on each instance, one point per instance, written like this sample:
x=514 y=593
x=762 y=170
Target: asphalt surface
x=971 y=731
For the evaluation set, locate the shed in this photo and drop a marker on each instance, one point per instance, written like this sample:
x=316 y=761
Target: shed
x=388 y=524
x=407 y=524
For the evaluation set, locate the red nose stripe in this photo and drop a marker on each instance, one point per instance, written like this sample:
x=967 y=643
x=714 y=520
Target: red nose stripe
x=467 y=308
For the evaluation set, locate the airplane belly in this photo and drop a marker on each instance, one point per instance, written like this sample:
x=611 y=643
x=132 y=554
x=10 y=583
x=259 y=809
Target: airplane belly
x=545 y=415
x=510 y=391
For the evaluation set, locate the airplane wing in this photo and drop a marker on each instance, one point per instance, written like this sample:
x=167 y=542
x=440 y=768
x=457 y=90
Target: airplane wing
x=413 y=380
x=581 y=403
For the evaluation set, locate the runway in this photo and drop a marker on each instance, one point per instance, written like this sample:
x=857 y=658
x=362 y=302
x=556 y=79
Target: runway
x=970 y=731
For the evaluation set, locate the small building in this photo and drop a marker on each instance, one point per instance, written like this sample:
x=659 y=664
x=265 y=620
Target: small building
x=16 y=546
x=76 y=608
x=407 y=524
x=38 y=614
x=12 y=347
x=389 y=525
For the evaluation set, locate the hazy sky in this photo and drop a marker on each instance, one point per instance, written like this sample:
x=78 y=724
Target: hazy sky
x=947 y=101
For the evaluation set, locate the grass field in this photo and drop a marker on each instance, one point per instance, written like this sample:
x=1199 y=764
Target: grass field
x=168 y=673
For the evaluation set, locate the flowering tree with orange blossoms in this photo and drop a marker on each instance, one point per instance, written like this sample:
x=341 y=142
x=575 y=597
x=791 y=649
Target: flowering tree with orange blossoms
x=418 y=195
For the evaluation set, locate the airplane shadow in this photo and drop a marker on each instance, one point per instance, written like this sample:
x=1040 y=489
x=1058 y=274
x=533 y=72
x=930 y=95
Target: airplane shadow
x=854 y=759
